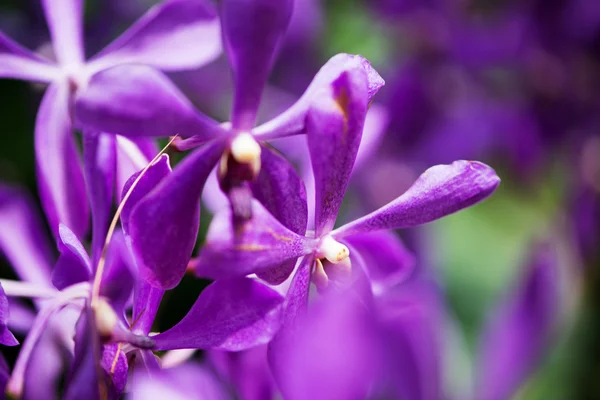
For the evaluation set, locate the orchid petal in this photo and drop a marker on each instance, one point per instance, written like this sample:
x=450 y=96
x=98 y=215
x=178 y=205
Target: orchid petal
x=292 y=121
x=132 y=156
x=65 y=21
x=99 y=164
x=114 y=364
x=387 y=262
x=334 y=129
x=514 y=340
x=279 y=188
x=47 y=363
x=173 y=35
x=73 y=265
x=439 y=191
x=86 y=377
x=119 y=273
x=164 y=224
x=258 y=244
x=247 y=371
x=22 y=237
x=60 y=175
x=153 y=176
x=146 y=302
x=252 y=31
x=294 y=308
x=20 y=63
x=340 y=330
x=137 y=100
x=179 y=383
x=6 y=337
x=230 y=314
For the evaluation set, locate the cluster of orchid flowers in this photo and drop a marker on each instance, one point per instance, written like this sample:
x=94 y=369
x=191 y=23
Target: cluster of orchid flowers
x=363 y=333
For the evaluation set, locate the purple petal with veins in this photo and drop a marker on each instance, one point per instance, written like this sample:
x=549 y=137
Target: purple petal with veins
x=137 y=100
x=163 y=226
x=334 y=129
x=163 y=38
x=253 y=31
x=439 y=191
x=74 y=264
x=60 y=175
x=258 y=244
x=292 y=121
x=230 y=314
x=279 y=188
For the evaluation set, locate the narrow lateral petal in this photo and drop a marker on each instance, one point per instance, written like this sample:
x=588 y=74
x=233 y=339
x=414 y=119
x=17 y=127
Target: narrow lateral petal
x=279 y=188
x=258 y=244
x=387 y=262
x=6 y=337
x=19 y=63
x=153 y=176
x=120 y=273
x=334 y=128
x=137 y=100
x=60 y=174
x=85 y=379
x=230 y=314
x=294 y=309
x=439 y=191
x=65 y=21
x=520 y=328
x=99 y=155
x=73 y=265
x=252 y=31
x=292 y=121
x=163 y=226
x=22 y=239
x=173 y=35
x=145 y=306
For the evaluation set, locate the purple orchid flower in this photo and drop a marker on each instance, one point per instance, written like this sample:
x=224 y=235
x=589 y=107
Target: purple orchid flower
x=150 y=105
x=103 y=324
x=156 y=39
x=334 y=128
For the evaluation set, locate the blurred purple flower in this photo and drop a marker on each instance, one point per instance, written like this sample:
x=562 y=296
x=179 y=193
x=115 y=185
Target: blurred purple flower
x=188 y=381
x=519 y=331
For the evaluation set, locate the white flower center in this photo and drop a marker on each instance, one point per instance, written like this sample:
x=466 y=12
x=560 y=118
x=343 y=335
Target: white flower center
x=245 y=149
x=332 y=250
